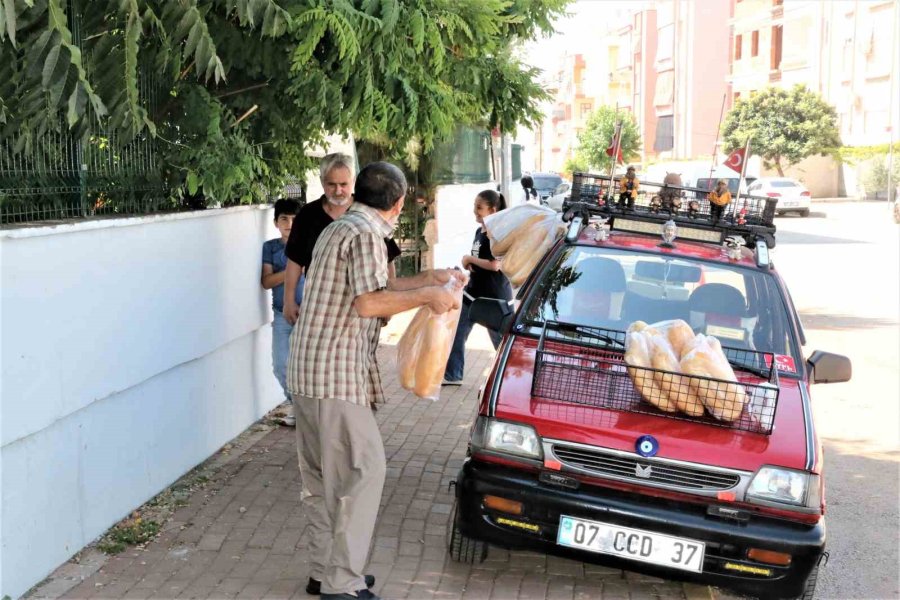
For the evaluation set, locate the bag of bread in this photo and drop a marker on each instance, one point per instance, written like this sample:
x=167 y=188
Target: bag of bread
x=500 y=225
x=677 y=388
x=529 y=247
x=719 y=390
x=424 y=348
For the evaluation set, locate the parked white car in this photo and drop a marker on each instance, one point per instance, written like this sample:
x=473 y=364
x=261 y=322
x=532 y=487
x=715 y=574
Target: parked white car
x=560 y=194
x=792 y=195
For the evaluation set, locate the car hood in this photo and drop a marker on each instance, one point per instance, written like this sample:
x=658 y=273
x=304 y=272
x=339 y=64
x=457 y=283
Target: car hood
x=790 y=444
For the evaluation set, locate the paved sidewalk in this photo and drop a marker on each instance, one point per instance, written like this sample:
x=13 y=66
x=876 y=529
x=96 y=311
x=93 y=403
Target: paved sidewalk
x=243 y=535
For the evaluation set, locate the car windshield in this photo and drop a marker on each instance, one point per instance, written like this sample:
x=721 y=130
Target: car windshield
x=783 y=184
x=546 y=183
x=610 y=289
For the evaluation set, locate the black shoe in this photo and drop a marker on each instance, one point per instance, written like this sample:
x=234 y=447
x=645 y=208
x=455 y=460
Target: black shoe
x=314 y=586
x=360 y=595
x=452 y=382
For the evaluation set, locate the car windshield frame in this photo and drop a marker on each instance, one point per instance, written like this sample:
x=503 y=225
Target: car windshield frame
x=766 y=288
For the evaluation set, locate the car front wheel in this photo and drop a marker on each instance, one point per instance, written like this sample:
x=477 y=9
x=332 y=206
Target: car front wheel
x=463 y=548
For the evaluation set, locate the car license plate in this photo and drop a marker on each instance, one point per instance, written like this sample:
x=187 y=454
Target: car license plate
x=635 y=544
x=791 y=203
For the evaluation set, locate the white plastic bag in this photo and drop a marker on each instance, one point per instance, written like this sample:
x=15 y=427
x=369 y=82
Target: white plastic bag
x=502 y=223
x=424 y=348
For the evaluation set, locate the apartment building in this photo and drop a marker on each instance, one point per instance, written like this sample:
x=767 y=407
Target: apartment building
x=846 y=50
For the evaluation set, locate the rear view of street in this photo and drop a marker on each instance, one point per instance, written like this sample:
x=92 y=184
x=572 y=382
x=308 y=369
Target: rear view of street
x=842 y=267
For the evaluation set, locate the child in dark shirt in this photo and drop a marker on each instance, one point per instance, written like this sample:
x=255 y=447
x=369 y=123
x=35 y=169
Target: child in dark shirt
x=274 y=263
x=485 y=281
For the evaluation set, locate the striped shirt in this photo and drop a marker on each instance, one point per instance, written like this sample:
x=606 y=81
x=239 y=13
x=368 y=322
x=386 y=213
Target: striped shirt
x=333 y=348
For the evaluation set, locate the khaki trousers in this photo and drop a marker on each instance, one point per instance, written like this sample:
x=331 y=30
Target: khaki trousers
x=342 y=467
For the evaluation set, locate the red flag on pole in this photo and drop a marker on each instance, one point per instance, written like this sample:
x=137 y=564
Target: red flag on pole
x=615 y=145
x=735 y=160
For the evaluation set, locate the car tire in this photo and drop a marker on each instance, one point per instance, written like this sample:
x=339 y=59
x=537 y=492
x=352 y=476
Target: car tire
x=804 y=212
x=810 y=589
x=463 y=548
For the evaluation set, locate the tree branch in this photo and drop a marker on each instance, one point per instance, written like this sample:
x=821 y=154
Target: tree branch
x=242 y=90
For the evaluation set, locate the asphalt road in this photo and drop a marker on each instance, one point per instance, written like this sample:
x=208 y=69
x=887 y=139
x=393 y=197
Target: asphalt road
x=842 y=265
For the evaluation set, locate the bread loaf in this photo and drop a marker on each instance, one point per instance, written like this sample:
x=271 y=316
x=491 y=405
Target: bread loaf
x=680 y=335
x=501 y=247
x=408 y=348
x=724 y=399
x=637 y=354
x=523 y=248
x=519 y=277
x=677 y=388
x=437 y=339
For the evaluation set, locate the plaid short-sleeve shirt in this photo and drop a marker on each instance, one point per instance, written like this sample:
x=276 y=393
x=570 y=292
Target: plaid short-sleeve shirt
x=333 y=348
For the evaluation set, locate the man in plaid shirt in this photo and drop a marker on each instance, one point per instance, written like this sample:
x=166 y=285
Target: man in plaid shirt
x=334 y=380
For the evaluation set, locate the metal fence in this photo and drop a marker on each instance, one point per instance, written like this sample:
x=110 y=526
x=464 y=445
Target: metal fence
x=60 y=175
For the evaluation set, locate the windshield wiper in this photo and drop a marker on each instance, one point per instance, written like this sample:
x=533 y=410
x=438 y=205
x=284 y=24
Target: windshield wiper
x=585 y=332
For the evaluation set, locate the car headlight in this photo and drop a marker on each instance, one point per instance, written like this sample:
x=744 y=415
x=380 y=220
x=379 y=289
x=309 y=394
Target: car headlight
x=508 y=438
x=777 y=484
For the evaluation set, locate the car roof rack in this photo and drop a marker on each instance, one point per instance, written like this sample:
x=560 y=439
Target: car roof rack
x=595 y=196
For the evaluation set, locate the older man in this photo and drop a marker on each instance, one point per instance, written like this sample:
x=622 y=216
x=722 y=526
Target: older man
x=336 y=174
x=334 y=379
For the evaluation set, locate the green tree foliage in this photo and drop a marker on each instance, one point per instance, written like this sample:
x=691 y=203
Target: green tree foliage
x=876 y=177
x=784 y=126
x=237 y=90
x=598 y=133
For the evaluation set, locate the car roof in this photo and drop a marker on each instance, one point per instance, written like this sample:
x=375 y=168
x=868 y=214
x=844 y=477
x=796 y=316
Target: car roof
x=687 y=249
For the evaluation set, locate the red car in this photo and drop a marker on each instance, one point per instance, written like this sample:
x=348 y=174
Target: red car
x=566 y=457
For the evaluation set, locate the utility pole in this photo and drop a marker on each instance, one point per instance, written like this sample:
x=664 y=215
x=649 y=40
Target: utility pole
x=505 y=163
x=894 y=47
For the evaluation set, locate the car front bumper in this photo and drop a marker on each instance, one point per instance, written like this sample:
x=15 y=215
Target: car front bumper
x=726 y=541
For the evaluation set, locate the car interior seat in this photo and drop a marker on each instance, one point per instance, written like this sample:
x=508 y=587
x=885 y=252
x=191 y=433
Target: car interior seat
x=721 y=310
x=596 y=296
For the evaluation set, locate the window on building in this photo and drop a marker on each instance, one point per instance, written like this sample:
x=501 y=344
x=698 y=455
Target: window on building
x=738 y=46
x=754 y=44
x=665 y=133
x=585 y=109
x=737 y=96
x=776 y=47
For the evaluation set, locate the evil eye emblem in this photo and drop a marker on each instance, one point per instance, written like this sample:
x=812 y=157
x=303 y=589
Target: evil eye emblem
x=646 y=446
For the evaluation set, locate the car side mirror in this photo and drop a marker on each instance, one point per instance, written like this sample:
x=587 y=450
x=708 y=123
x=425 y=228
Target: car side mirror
x=825 y=367
x=492 y=313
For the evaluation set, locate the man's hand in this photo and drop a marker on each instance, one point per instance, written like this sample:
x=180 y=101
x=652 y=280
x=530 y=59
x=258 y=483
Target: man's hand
x=442 y=276
x=291 y=311
x=441 y=300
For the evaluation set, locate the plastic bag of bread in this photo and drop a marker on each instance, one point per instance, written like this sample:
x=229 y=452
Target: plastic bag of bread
x=677 y=388
x=501 y=225
x=637 y=354
x=424 y=348
x=724 y=399
x=530 y=243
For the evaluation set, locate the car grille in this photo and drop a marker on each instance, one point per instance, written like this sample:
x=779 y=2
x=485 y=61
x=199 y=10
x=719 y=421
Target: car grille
x=661 y=473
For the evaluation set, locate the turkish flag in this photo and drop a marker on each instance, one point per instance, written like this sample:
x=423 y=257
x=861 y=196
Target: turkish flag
x=735 y=160
x=612 y=147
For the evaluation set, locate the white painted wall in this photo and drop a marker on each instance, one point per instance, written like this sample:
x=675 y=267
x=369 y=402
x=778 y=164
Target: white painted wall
x=130 y=351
